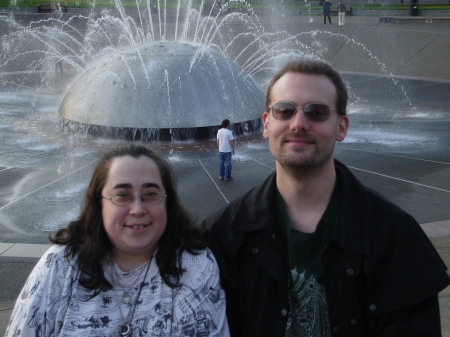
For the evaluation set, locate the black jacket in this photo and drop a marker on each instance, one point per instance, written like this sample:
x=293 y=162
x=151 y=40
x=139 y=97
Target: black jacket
x=382 y=274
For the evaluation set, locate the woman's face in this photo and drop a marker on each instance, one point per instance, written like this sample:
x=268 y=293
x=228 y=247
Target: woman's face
x=136 y=228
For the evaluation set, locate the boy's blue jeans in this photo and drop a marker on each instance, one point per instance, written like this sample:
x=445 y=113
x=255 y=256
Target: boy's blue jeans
x=225 y=164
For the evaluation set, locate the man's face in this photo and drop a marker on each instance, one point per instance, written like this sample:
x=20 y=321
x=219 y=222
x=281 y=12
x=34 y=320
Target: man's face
x=299 y=142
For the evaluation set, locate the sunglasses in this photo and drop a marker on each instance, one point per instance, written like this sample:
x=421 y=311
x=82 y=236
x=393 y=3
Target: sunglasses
x=314 y=112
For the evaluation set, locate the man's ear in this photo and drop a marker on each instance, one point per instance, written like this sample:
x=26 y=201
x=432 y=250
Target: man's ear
x=343 y=123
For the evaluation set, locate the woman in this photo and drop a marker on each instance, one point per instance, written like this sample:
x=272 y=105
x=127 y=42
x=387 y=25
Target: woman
x=132 y=264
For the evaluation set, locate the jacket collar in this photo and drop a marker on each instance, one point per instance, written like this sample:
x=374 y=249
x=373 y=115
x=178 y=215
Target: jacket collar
x=261 y=200
x=353 y=231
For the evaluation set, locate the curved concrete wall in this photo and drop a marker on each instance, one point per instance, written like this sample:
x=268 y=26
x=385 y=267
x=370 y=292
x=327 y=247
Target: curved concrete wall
x=365 y=45
x=400 y=52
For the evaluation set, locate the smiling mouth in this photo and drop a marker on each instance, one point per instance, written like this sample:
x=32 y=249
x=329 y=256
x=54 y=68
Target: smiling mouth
x=299 y=138
x=136 y=226
x=299 y=141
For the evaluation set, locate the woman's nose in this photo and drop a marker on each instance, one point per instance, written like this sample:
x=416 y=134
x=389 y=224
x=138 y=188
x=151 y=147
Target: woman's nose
x=137 y=205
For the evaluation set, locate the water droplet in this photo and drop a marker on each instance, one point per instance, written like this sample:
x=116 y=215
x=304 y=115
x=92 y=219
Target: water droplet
x=124 y=85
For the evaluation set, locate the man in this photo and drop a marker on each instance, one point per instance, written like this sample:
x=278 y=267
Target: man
x=311 y=251
x=341 y=13
x=326 y=9
x=225 y=143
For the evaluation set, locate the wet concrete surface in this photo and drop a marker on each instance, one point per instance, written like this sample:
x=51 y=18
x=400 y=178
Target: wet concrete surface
x=397 y=145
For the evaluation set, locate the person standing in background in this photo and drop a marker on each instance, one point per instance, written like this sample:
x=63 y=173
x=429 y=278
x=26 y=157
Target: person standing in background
x=341 y=13
x=326 y=11
x=225 y=143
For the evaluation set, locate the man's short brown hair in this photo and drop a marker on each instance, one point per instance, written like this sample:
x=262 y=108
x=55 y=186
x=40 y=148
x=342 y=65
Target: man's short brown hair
x=314 y=67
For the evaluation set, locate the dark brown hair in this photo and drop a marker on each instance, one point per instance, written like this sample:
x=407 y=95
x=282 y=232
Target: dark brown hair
x=225 y=123
x=87 y=237
x=314 y=67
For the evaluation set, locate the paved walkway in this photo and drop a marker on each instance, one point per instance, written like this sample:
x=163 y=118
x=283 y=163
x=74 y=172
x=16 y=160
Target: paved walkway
x=26 y=250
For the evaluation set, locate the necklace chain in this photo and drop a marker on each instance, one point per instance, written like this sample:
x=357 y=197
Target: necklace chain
x=125 y=328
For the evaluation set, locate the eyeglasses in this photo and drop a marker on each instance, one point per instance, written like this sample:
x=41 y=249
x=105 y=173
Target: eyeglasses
x=314 y=112
x=122 y=199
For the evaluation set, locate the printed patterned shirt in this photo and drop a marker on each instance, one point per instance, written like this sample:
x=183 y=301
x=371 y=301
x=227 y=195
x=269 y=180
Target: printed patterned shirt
x=53 y=303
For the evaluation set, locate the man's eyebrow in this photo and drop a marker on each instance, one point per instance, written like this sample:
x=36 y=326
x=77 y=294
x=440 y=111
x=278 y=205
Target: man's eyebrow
x=127 y=185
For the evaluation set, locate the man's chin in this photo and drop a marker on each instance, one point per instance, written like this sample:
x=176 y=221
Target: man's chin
x=299 y=162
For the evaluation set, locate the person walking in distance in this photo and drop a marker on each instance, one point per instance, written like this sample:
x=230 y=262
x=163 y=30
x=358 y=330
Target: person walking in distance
x=225 y=143
x=326 y=8
x=341 y=12
x=311 y=251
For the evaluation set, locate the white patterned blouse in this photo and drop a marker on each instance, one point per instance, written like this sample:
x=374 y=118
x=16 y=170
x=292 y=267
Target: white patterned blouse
x=53 y=303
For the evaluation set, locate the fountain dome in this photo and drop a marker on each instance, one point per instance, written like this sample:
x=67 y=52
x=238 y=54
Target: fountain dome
x=163 y=86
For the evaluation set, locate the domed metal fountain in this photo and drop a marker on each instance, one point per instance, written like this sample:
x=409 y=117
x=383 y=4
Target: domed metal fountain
x=163 y=90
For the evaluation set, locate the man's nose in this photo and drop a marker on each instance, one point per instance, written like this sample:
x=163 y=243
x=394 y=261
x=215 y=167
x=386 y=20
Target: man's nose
x=299 y=121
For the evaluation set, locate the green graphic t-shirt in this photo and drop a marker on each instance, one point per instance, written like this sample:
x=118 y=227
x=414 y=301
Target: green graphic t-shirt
x=309 y=314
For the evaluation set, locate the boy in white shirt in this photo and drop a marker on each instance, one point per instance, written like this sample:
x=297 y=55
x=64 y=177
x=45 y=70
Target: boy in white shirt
x=225 y=143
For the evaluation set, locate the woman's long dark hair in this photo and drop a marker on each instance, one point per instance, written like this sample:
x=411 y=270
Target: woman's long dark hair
x=87 y=236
